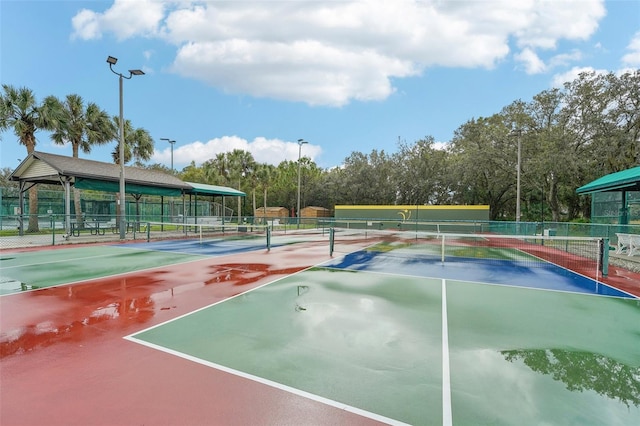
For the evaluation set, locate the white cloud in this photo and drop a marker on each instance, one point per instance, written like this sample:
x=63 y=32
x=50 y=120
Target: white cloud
x=632 y=59
x=573 y=74
x=532 y=63
x=86 y=25
x=547 y=22
x=564 y=59
x=125 y=18
x=270 y=151
x=335 y=52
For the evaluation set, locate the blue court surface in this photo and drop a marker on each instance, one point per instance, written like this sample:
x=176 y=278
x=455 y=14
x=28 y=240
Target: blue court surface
x=507 y=272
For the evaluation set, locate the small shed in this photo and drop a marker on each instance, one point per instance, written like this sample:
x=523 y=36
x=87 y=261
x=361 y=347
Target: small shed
x=314 y=212
x=271 y=212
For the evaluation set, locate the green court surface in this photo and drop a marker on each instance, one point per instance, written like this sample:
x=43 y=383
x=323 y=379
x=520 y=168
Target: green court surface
x=412 y=350
x=20 y=271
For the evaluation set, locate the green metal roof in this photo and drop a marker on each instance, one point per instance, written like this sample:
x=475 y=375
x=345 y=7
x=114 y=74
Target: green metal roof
x=130 y=188
x=626 y=180
x=204 y=189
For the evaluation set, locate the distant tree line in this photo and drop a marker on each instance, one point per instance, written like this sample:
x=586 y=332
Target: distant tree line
x=568 y=137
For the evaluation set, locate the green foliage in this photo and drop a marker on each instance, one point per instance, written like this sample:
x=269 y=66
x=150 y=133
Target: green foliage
x=568 y=137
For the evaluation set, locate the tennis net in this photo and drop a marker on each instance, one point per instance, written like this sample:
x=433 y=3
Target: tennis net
x=583 y=255
x=205 y=232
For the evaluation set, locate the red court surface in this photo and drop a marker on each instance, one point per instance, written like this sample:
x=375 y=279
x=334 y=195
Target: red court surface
x=71 y=365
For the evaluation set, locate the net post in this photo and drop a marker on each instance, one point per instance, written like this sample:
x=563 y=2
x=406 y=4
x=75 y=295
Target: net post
x=53 y=229
x=443 y=245
x=148 y=231
x=268 y=238
x=604 y=255
x=332 y=233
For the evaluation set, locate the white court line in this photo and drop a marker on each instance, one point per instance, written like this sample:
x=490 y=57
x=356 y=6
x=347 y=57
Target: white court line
x=132 y=338
x=273 y=384
x=447 y=416
x=73 y=259
x=67 y=259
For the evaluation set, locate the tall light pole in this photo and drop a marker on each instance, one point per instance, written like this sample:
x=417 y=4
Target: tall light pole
x=171 y=141
x=518 y=134
x=112 y=61
x=300 y=143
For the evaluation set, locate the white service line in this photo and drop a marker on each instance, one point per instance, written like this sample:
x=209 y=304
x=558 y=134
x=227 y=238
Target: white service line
x=276 y=385
x=447 y=416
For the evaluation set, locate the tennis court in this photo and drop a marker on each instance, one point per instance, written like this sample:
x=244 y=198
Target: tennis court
x=319 y=328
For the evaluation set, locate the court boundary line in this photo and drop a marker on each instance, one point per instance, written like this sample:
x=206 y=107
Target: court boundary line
x=181 y=251
x=213 y=304
x=132 y=338
x=204 y=258
x=631 y=296
x=271 y=383
x=73 y=259
x=319 y=265
x=521 y=250
x=447 y=414
x=596 y=280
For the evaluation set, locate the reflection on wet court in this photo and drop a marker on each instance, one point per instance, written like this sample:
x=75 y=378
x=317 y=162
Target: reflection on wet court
x=393 y=335
x=373 y=343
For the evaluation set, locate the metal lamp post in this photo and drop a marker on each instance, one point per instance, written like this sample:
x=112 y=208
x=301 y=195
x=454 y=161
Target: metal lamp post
x=112 y=61
x=172 y=142
x=300 y=143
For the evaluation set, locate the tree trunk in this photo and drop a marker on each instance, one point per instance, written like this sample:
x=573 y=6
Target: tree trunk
x=33 y=210
x=30 y=143
x=77 y=192
x=265 y=205
x=253 y=203
x=554 y=205
x=119 y=216
x=78 y=206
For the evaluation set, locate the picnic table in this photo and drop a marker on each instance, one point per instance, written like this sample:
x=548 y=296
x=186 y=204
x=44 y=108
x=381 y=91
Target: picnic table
x=95 y=226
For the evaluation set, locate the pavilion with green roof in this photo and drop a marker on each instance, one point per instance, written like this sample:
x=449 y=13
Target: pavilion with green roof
x=615 y=197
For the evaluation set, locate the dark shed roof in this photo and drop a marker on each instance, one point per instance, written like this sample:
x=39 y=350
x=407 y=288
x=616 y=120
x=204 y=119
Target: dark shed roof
x=41 y=167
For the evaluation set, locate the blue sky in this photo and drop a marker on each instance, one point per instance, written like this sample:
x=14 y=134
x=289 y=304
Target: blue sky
x=343 y=75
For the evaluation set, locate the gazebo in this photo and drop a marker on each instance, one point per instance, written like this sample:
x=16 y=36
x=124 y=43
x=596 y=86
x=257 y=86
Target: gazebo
x=626 y=185
x=46 y=168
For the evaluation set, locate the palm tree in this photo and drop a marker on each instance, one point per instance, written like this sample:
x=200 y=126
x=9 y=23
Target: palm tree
x=241 y=164
x=266 y=174
x=218 y=172
x=138 y=144
x=82 y=128
x=20 y=110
